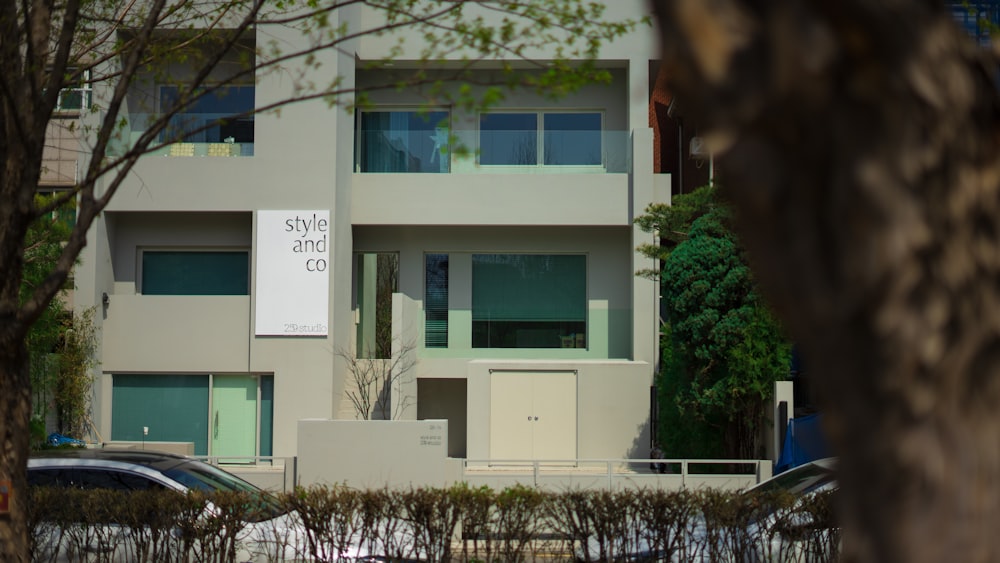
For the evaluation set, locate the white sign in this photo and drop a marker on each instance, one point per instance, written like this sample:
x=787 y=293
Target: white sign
x=293 y=273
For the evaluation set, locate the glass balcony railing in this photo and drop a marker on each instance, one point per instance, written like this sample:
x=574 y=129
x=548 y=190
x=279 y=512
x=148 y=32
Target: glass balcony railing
x=478 y=152
x=196 y=134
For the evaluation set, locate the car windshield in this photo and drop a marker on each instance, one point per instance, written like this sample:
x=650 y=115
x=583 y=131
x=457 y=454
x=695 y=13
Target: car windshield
x=204 y=477
x=801 y=480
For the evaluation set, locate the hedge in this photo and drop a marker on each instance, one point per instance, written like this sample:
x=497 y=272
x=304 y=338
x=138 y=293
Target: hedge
x=459 y=523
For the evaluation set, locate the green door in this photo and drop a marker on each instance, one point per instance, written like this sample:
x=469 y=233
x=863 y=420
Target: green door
x=234 y=416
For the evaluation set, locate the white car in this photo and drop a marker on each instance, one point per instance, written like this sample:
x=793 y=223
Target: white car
x=268 y=534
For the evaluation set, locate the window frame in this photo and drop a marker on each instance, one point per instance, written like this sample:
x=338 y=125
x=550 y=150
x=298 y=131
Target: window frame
x=358 y=145
x=85 y=89
x=540 y=114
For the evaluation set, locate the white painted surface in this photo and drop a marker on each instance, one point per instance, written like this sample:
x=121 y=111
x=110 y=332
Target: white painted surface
x=293 y=273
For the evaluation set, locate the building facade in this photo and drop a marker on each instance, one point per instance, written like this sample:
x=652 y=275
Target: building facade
x=249 y=276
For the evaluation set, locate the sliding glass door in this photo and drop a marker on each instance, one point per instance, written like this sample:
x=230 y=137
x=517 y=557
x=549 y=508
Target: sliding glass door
x=219 y=414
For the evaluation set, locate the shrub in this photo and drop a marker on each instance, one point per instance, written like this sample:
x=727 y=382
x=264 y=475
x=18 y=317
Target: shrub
x=426 y=523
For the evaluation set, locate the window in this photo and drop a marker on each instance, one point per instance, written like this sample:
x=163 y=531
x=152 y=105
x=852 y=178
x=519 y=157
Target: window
x=175 y=408
x=180 y=272
x=541 y=138
x=508 y=139
x=223 y=115
x=377 y=278
x=436 y=301
x=529 y=301
x=78 y=98
x=403 y=141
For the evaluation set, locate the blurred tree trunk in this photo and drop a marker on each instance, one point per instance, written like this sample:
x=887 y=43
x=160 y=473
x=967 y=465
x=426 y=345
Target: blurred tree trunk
x=859 y=143
x=15 y=403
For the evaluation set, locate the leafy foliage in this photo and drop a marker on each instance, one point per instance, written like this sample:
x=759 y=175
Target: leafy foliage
x=60 y=345
x=672 y=223
x=723 y=349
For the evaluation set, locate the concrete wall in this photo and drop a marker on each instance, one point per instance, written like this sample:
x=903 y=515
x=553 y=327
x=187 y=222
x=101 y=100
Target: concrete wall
x=612 y=406
x=490 y=199
x=640 y=44
x=61 y=152
x=376 y=453
x=404 y=454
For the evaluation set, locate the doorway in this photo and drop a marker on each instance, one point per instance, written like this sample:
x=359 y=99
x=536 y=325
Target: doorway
x=234 y=416
x=533 y=416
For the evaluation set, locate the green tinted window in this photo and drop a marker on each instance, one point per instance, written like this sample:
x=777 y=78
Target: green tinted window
x=173 y=407
x=529 y=301
x=195 y=273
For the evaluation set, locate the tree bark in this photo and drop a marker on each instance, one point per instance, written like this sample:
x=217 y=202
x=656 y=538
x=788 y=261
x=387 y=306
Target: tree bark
x=15 y=404
x=859 y=142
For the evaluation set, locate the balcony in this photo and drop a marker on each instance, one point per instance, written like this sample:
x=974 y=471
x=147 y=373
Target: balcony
x=494 y=152
x=214 y=124
x=222 y=138
x=536 y=142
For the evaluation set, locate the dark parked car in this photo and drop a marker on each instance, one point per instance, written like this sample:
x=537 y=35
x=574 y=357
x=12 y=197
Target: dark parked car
x=270 y=532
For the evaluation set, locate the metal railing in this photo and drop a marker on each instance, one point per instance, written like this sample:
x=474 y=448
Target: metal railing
x=614 y=473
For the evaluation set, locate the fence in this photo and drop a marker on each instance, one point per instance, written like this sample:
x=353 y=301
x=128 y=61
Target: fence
x=616 y=474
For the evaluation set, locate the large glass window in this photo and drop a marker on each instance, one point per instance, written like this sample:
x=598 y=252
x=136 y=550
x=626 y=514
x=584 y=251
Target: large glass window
x=160 y=408
x=223 y=115
x=541 y=138
x=529 y=301
x=572 y=139
x=178 y=272
x=175 y=408
x=436 y=301
x=508 y=139
x=403 y=141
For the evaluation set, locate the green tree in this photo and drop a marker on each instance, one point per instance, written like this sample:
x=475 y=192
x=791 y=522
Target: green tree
x=43 y=244
x=61 y=344
x=50 y=46
x=723 y=350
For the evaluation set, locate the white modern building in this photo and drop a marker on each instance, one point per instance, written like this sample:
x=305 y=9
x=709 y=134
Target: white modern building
x=238 y=274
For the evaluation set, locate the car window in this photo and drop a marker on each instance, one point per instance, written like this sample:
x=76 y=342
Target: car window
x=91 y=478
x=800 y=480
x=204 y=477
x=43 y=477
x=114 y=480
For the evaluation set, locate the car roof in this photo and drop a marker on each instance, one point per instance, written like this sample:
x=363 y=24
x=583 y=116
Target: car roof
x=159 y=461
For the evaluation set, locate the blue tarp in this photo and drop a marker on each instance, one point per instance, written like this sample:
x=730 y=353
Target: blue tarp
x=804 y=442
x=57 y=439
